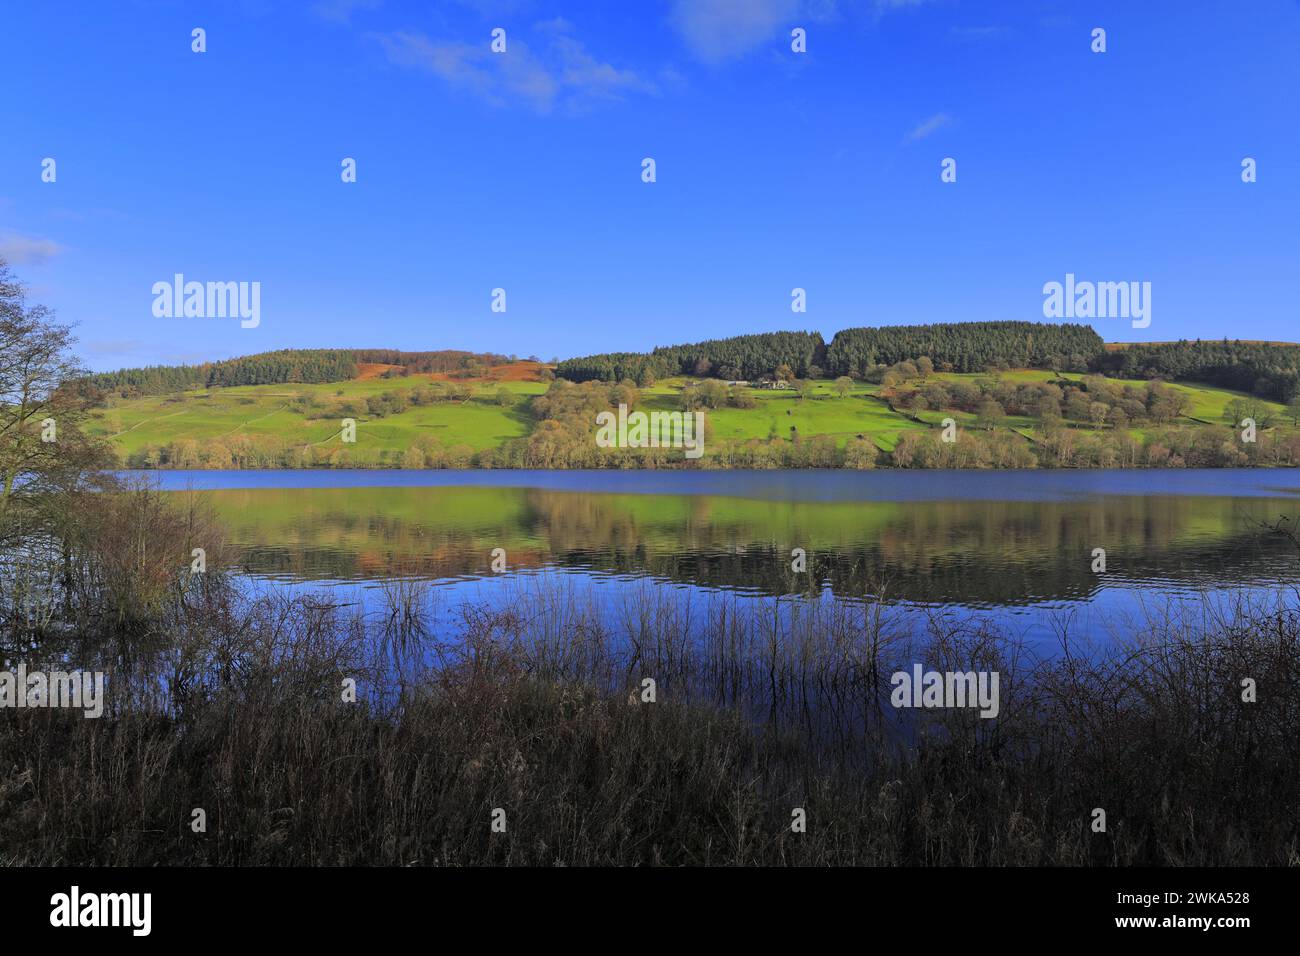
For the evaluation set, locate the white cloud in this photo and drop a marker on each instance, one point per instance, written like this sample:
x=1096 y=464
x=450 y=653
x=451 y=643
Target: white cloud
x=27 y=250
x=497 y=78
x=560 y=72
x=579 y=70
x=935 y=123
x=719 y=30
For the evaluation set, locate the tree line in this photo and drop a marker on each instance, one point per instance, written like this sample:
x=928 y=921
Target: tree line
x=285 y=366
x=421 y=363
x=857 y=352
x=746 y=357
x=1270 y=370
x=966 y=346
x=264 y=368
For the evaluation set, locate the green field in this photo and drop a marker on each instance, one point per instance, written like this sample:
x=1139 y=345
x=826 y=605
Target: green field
x=298 y=416
x=215 y=415
x=862 y=412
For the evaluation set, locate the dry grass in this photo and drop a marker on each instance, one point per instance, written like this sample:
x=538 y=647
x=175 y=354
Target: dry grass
x=757 y=713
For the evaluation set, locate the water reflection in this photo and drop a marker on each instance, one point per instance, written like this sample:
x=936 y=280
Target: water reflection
x=976 y=553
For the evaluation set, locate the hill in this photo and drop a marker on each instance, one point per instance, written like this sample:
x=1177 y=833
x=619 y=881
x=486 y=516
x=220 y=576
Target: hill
x=298 y=424
x=1068 y=401
x=433 y=420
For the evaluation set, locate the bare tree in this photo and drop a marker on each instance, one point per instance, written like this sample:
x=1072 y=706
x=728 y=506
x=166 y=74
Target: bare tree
x=44 y=402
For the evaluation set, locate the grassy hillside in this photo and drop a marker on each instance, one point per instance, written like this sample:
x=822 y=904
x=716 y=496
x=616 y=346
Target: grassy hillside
x=472 y=415
x=223 y=415
x=281 y=412
x=862 y=412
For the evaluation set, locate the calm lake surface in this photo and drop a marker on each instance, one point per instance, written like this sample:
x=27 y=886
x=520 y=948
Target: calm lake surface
x=1016 y=547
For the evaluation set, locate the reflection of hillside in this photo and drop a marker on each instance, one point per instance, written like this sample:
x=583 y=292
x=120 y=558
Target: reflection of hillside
x=371 y=564
x=980 y=578
x=967 y=551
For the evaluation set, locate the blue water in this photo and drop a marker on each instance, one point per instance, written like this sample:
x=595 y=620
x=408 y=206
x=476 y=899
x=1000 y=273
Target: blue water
x=1200 y=579
x=801 y=485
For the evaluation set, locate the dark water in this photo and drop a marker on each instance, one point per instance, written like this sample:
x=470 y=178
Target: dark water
x=1017 y=547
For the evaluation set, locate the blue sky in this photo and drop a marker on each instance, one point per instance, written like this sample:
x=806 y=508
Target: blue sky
x=523 y=171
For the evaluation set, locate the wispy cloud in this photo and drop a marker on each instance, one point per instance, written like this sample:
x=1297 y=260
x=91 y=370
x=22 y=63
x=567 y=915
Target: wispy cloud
x=340 y=11
x=927 y=127
x=27 y=250
x=114 y=346
x=492 y=8
x=559 y=72
x=885 y=5
x=880 y=8
x=720 y=30
x=511 y=76
x=495 y=8
x=87 y=214
x=976 y=34
x=113 y=353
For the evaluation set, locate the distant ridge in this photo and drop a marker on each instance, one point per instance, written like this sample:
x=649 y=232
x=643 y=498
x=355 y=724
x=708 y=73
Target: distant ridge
x=285 y=366
x=1267 y=368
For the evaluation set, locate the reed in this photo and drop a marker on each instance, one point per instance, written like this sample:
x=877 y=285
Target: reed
x=533 y=705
